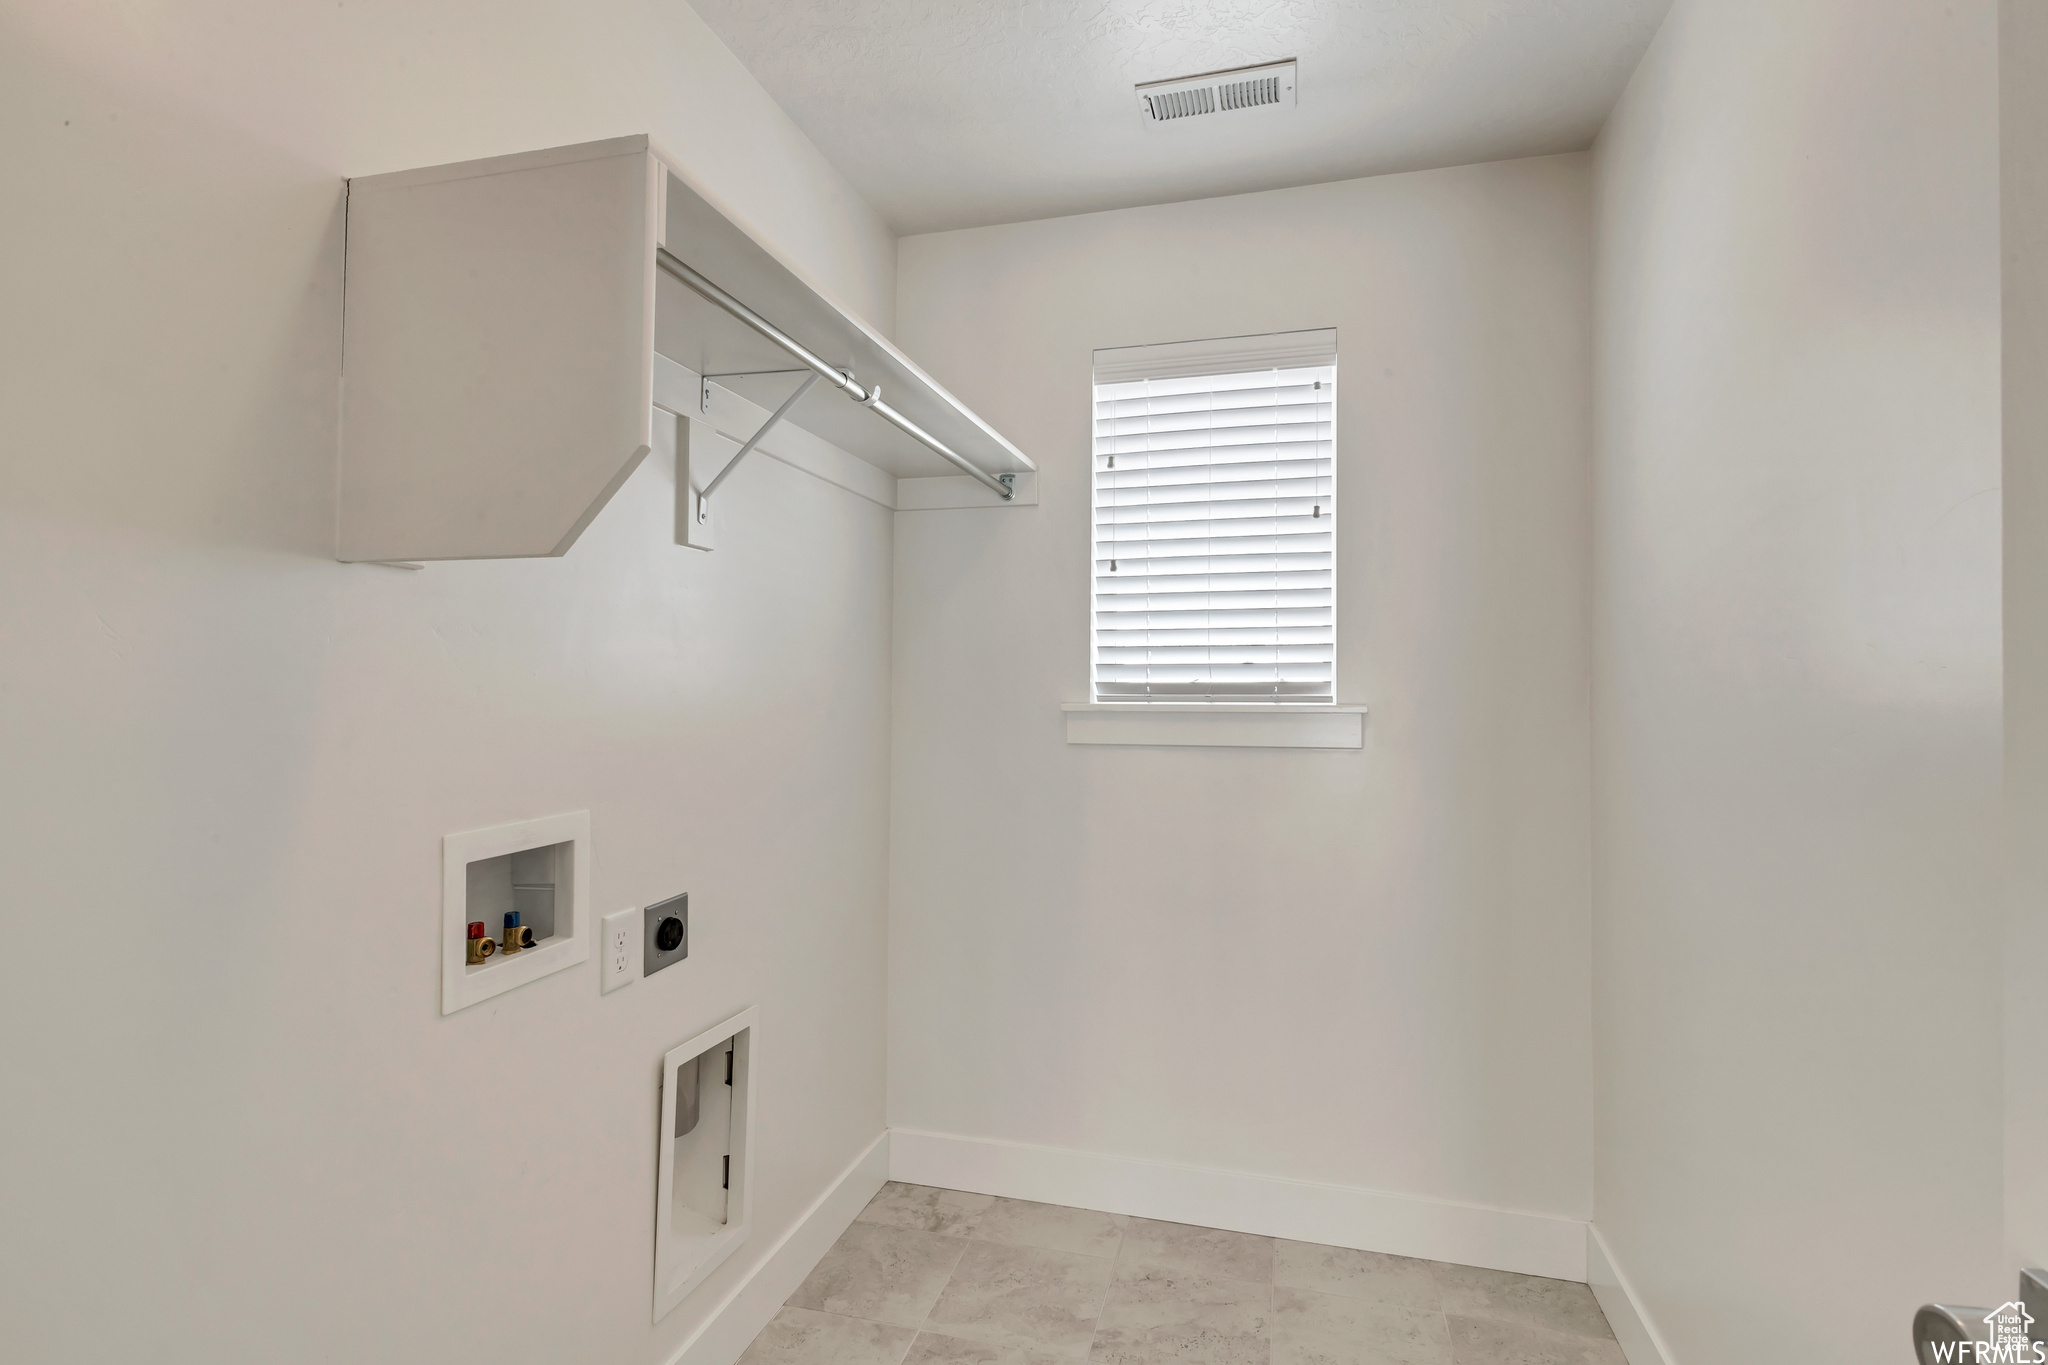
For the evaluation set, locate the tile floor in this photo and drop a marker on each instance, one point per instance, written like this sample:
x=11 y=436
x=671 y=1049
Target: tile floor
x=937 y=1277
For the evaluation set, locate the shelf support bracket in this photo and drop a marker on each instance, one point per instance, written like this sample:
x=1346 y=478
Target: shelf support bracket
x=755 y=439
x=675 y=267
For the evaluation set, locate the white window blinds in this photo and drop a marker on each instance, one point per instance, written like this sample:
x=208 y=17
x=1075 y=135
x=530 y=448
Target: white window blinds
x=1215 y=513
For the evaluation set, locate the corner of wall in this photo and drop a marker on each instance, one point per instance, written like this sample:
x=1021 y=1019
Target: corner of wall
x=1640 y=1340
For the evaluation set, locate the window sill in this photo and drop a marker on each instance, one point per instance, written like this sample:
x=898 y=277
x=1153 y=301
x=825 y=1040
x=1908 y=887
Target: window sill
x=1258 y=726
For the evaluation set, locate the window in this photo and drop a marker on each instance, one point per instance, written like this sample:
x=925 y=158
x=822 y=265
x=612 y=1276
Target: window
x=1215 y=520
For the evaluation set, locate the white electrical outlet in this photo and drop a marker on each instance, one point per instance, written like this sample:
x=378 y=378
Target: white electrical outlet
x=619 y=937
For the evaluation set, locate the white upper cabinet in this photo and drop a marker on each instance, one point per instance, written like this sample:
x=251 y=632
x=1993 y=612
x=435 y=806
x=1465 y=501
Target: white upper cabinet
x=498 y=361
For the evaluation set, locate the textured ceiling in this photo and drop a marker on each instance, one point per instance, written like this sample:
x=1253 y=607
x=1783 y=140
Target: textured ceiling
x=952 y=113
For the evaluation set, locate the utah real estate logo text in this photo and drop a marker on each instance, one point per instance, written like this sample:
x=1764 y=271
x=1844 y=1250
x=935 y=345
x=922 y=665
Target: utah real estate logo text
x=2006 y=1340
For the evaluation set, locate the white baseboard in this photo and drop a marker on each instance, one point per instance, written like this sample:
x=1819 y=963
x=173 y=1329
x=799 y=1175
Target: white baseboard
x=1304 y=1211
x=1640 y=1341
x=1334 y=1215
x=746 y=1308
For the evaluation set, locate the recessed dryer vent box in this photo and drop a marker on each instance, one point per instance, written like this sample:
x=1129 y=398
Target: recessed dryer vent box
x=704 y=1189
x=538 y=869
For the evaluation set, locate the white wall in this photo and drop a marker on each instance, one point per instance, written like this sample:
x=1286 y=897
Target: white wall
x=1365 y=967
x=235 y=1126
x=2023 y=198
x=1797 y=676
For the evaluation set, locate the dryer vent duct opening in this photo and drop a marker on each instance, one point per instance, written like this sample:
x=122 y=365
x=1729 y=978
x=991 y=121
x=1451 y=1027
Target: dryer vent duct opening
x=1242 y=90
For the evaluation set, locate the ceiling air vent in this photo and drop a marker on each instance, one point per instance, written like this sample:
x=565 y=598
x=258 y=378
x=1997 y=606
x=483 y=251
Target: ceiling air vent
x=1246 y=89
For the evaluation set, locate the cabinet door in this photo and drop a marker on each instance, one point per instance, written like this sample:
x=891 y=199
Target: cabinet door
x=497 y=342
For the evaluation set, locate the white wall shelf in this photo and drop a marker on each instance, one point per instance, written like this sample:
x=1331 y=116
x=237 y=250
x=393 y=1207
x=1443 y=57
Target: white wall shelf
x=503 y=320
x=1220 y=726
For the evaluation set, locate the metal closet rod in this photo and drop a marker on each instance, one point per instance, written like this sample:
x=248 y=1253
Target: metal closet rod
x=841 y=379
